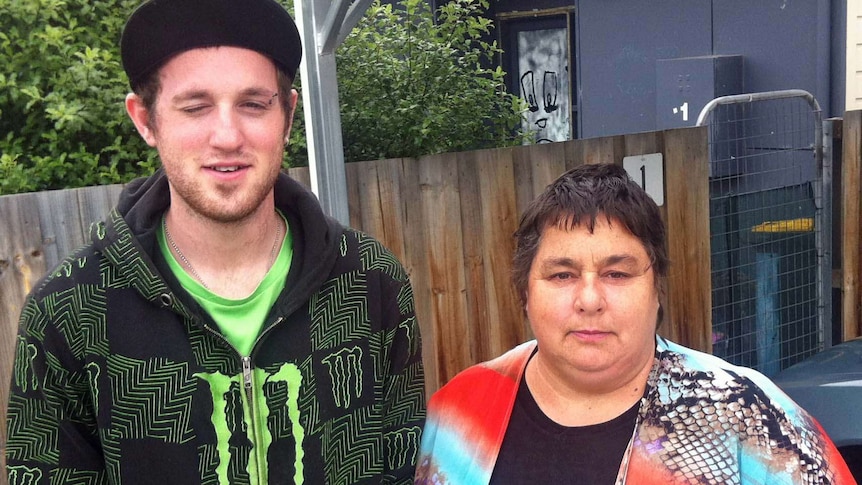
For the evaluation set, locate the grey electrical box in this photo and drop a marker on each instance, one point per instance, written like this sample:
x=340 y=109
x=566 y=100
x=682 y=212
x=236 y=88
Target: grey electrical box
x=685 y=85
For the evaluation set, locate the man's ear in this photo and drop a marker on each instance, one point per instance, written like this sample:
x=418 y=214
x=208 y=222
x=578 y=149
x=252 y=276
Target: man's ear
x=288 y=117
x=140 y=117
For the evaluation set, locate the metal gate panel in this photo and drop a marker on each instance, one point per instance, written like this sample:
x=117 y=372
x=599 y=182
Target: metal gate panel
x=769 y=225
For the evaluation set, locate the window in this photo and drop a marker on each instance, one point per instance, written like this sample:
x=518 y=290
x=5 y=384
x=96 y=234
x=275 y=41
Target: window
x=539 y=64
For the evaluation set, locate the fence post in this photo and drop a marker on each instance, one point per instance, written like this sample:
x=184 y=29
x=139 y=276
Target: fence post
x=688 y=319
x=22 y=263
x=851 y=178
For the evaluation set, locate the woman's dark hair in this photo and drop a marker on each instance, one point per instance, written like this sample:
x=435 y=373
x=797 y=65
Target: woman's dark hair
x=580 y=196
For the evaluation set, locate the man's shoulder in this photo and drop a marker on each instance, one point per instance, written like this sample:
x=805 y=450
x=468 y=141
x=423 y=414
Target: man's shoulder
x=357 y=236
x=88 y=264
x=369 y=253
x=82 y=266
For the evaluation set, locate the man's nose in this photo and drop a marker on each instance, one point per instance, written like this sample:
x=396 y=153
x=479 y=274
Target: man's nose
x=227 y=132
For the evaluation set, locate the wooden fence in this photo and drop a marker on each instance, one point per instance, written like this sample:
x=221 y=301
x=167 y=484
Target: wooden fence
x=848 y=219
x=449 y=218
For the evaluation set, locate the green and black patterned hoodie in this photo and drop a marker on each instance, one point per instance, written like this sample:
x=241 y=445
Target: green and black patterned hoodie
x=120 y=377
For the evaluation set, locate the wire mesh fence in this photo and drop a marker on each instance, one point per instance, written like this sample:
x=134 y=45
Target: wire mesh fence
x=767 y=228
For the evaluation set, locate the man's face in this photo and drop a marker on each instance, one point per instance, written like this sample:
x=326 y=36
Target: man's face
x=219 y=129
x=592 y=304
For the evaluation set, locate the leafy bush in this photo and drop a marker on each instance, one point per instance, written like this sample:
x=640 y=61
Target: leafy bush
x=408 y=87
x=61 y=97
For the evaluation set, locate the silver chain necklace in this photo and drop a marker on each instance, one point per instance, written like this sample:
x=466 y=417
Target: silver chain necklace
x=272 y=255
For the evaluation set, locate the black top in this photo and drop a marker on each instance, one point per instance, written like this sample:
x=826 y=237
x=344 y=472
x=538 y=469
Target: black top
x=538 y=450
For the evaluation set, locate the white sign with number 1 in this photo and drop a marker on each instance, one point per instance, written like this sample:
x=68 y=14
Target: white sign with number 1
x=648 y=171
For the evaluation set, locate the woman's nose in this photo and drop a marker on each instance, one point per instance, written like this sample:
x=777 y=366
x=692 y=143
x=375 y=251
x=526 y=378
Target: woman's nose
x=589 y=297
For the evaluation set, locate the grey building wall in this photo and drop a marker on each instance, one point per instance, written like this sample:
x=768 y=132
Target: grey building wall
x=619 y=43
x=784 y=44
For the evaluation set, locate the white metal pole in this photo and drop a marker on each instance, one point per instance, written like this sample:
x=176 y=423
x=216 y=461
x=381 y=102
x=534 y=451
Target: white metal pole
x=322 y=113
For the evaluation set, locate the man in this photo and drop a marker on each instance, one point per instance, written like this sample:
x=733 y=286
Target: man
x=219 y=328
x=598 y=397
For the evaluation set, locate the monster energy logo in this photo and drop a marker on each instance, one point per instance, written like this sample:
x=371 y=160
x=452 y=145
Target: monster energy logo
x=220 y=388
x=21 y=475
x=403 y=445
x=345 y=370
x=93 y=372
x=24 y=375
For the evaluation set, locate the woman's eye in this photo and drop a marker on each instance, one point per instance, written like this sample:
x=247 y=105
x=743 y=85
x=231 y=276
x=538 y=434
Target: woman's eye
x=617 y=275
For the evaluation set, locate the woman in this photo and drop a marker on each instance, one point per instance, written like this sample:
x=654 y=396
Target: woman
x=598 y=397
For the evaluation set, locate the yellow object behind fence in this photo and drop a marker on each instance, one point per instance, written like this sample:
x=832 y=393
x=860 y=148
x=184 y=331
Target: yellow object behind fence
x=804 y=224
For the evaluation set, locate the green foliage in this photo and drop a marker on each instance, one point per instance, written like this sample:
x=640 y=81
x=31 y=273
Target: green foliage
x=408 y=87
x=62 y=120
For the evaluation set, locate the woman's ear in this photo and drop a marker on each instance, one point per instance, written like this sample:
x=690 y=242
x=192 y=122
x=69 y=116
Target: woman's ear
x=140 y=116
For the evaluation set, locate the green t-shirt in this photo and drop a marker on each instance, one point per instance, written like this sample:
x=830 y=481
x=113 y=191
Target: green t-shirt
x=239 y=320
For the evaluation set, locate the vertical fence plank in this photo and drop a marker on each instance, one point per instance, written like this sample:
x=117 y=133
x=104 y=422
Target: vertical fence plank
x=354 y=200
x=391 y=204
x=547 y=161
x=523 y=172
x=505 y=325
x=370 y=210
x=574 y=153
x=61 y=225
x=94 y=204
x=476 y=292
x=416 y=254
x=602 y=150
x=302 y=175
x=22 y=264
x=688 y=319
x=642 y=143
x=441 y=208
x=834 y=127
x=851 y=179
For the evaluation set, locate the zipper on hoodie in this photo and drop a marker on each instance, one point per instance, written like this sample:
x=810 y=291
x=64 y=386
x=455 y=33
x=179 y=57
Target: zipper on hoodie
x=247 y=377
x=258 y=458
x=260 y=473
x=258 y=429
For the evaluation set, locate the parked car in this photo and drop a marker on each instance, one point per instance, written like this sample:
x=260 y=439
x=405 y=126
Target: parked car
x=829 y=386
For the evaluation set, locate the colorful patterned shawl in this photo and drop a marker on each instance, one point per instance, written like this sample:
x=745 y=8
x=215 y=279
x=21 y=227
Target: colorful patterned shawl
x=702 y=420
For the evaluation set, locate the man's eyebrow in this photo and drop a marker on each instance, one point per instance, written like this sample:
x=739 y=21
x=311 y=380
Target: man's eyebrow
x=198 y=94
x=267 y=93
x=191 y=95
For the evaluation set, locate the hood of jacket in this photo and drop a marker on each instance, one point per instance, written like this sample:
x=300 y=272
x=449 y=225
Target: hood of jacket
x=128 y=239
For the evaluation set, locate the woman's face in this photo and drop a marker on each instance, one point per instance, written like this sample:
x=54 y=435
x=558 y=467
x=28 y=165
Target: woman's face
x=592 y=303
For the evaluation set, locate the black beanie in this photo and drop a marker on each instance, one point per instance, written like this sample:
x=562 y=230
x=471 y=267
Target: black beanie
x=161 y=29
